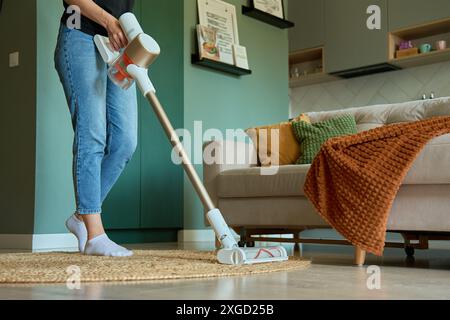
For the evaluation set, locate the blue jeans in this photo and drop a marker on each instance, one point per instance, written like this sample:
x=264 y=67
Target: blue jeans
x=104 y=119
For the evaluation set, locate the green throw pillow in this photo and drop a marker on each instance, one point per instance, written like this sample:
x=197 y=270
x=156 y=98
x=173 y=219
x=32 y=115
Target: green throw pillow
x=313 y=136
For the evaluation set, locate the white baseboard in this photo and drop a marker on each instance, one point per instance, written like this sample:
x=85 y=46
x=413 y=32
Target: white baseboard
x=206 y=235
x=38 y=242
x=49 y=242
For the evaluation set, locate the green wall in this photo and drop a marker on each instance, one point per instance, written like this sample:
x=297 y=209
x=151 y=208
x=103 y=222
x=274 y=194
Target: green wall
x=17 y=117
x=226 y=102
x=54 y=135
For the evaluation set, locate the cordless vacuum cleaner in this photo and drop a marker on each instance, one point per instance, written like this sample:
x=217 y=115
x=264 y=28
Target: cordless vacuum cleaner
x=129 y=66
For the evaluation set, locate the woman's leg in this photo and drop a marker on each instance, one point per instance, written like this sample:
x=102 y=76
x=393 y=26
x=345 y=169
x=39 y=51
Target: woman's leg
x=122 y=133
x=84 y=78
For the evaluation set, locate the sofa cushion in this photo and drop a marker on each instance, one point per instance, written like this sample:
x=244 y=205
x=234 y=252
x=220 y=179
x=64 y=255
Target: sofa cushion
x=432 y=166
x=378 y=115
x=285 y=152
x=313 y=136
x=248 y=183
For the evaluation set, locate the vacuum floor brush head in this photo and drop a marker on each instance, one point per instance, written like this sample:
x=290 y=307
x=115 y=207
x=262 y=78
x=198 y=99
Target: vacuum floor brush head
x=241 y=256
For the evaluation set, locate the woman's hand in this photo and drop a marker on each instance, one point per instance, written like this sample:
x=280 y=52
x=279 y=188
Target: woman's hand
x=115 y=33
x=94 y=12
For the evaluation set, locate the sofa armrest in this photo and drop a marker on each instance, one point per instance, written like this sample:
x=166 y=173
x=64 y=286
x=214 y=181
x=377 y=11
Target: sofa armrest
x=221 y=156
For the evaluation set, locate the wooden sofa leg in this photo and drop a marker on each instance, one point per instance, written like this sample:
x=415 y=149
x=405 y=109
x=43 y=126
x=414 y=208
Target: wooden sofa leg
x=360 y=257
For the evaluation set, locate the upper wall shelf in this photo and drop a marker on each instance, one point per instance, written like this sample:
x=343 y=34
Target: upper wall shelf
x=219 y=66
x=422 y=59
x=267 y=18
x=311 y=79
x=428 y=33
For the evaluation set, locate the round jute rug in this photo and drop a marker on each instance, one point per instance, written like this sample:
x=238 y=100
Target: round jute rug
x=49 y=268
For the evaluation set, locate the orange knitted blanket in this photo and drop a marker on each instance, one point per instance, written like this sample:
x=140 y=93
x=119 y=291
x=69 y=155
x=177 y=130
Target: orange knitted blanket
x=354 y=179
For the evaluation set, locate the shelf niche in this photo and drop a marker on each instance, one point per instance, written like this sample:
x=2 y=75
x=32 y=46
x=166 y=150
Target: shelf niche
x=421 y=34
x=309 y=64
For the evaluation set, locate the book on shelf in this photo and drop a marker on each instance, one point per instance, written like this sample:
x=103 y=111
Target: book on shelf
x=240 y=57
x=207 y=43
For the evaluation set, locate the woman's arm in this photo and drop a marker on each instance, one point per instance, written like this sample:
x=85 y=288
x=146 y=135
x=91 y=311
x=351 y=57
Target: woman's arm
x=94 y=12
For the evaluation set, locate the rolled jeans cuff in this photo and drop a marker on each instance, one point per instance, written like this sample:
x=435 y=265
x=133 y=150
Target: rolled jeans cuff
x=89 y=211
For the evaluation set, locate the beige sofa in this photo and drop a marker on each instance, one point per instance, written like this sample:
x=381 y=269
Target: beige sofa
x=258 y=205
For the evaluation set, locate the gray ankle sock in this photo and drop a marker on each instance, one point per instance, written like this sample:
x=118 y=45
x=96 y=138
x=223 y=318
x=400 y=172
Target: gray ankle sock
x=77 y=227
x=103 y=246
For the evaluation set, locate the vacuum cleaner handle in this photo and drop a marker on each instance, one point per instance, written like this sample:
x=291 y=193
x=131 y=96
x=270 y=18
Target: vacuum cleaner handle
x=140 y=75
x=214 y=216
x=179 y=149
x=141 y=51
x=148 y=90
x=231 y=253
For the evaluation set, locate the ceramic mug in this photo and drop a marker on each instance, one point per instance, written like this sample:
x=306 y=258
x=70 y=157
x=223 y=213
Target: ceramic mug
x=425 y=48
x=441 y=45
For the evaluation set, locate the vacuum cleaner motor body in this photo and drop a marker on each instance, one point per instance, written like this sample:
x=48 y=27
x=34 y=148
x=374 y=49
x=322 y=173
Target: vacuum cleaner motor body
x=142 y=51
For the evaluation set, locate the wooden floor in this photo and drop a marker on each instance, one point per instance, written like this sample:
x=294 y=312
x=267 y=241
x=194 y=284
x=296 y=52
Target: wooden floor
x=331 y=276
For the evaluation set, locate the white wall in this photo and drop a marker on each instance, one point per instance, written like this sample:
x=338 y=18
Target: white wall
x=391 y=87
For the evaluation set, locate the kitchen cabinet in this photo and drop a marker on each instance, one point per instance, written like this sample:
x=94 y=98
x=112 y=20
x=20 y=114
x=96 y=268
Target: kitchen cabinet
x=407 y=13
x=349 y=43
x=309 y=30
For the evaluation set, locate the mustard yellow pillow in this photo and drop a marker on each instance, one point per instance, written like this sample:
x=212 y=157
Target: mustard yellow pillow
x=288 y=149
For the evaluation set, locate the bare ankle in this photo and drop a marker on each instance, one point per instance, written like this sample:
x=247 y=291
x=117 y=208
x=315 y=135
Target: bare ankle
x=94 y=225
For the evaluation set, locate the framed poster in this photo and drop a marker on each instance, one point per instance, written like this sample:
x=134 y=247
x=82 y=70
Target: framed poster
x=273 y=7
x=222 y=17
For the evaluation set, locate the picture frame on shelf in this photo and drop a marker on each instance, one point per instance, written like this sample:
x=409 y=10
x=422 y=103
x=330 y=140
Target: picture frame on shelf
x=272 y=7
x=221 y=16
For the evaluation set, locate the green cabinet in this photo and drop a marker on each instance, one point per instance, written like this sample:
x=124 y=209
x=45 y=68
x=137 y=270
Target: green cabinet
x=149 y=195
x=349 y=43
x=162 y=181
x=309 y=30
x=406 y=13
x=122 y=208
